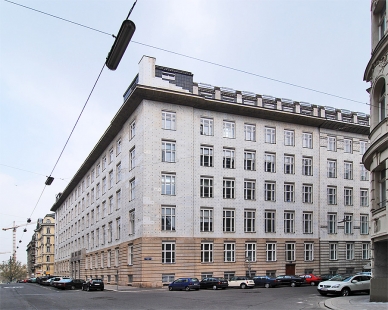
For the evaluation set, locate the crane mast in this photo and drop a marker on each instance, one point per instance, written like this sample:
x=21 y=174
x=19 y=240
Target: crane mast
x=14 y=227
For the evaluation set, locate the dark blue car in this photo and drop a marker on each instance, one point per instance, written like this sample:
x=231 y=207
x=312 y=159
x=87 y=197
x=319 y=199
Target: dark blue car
x=186 y=284
x=265 y=281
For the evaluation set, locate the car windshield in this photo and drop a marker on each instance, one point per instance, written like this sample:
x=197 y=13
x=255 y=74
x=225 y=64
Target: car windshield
x=347 y=279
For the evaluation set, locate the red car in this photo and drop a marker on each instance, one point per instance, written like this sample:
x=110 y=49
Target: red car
x=311 y=279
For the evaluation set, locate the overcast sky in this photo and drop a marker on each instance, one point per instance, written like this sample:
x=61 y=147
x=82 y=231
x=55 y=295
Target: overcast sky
x=48 y=68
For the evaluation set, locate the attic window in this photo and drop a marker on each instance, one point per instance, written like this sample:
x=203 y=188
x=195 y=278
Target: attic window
x=168 y=76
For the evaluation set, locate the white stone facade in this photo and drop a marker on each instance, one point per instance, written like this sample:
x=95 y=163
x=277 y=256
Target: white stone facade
x=179 y=211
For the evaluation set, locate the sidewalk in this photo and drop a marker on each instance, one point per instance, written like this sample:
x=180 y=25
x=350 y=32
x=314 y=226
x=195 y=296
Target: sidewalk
x=122 y=288
x=356 y=302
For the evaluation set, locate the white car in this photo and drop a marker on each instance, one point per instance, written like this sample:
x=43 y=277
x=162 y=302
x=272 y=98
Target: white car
x=241 y=282
x=345 y=287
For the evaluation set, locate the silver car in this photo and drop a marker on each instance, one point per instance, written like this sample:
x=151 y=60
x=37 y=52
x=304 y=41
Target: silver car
x=345 y=287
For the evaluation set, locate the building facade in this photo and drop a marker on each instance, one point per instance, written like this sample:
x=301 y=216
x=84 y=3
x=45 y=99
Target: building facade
x=195 y=180
x=375 y=159
x=44 y=246
x=31 y=257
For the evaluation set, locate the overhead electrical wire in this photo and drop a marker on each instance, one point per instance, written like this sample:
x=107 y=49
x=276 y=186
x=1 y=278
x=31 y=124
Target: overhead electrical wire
x=199 y=59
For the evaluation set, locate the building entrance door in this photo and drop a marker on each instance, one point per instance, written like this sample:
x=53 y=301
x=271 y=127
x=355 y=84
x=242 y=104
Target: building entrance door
x=290 y=269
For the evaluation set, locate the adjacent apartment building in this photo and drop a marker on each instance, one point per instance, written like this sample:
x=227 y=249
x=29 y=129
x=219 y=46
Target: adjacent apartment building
x=44 y=238
x=195 y=180
x=375 y=159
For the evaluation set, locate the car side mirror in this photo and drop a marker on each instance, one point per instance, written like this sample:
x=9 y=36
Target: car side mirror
x=354 y=281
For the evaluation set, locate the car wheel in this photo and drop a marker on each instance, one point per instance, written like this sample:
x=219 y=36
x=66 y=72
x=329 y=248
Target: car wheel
x=88 y=289
x=170 y=288
x=72 y=287
x=312 y=283
x=368 y=292
x=214 y=287
x=345 y=292
x=243 y=285
x=292 y=284
x=266 y=285
x=187 y=288
x=322 y=293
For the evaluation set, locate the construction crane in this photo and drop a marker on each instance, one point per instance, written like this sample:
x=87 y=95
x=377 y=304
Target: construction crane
x=4 y=252
x=14 y=227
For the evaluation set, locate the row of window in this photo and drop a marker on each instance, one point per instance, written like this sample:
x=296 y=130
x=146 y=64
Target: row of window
x=229 y=131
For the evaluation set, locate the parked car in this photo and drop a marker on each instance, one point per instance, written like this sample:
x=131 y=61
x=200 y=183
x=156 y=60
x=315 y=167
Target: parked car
x=93 y=284
x=71 y=284
x=184 y=284
x=311 y=279
x=31 y=280
x=214 y=283
x=345 y=287
x=291 y=280
x=47 y=282
x=327 y=276
x=241 y=282
x=56 y=280
x=265 y=281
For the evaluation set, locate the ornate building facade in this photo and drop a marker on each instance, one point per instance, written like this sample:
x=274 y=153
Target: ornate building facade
x=44 y=246
x=375 y=159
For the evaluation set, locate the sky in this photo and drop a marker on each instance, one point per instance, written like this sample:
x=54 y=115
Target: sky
x=48 y=67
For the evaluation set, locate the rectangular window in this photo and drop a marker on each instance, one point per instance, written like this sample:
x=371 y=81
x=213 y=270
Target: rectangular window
x=363 y=197
x=168 y=151
x=250 y=251
x=229 y=252
x=206 y=187
x=103 y=186
x=270 y=135
x=206 y=127
x=333 y=251
x=168 y=252
x=307 y=166
x=307 y=222
x=110 y=179
x=250 y=132
x=269 y=191
x=348 y=170
x=229 y=130
x=168 y=184
x=308 y=251
x=131 y=222
x=249 y=189
x=332 y=144
x=228 y=220
x=289 y=222
x=349 y=251
x=168 y=120
x=365 y=251
x=103 y=240
x=269 y=162
x=249 y=160
x=269 y=221
x=118 y=199
x=331 y=195
x=270 y=252
x=132 y=130
x=206 y=252
x=118 y=228
x=103 y=167
x=348 y=146
x=110 y=231
x=104 y=213
x=111 y=205
x=118 y=147
x=132 y=158
x=364 y=224
x=348 y=222
x=289 y=137
x=206 y=219
x=228 y=189
x=228 y=158
x=348 y=196
x=118 y=172
x=331 y=168
x=168 y=218
x=130 y=254
x=132 y=189
x=332 y=223
x=249 y=220
x=290 y=251
x=289 y=189
x=111 y=155
x=289 y=164
x=307 y=193
x=364 y=174
x=307 y=140
x=206 y=158
x=363 y=146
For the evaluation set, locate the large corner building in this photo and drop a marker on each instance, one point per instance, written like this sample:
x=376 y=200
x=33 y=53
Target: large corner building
x=195 y=180
x=375 y=159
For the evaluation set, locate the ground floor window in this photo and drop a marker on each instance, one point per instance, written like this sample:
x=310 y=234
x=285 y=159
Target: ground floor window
x=168 y=277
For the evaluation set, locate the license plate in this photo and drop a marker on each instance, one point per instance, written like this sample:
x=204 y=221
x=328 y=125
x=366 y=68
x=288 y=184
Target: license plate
x=324 y=289
x=97 y=284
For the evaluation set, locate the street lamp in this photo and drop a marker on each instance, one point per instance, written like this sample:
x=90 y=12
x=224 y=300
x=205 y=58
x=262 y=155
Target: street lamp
x=248 y=261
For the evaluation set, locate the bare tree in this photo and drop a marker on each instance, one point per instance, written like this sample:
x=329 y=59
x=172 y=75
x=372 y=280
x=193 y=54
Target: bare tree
x=12 y=270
